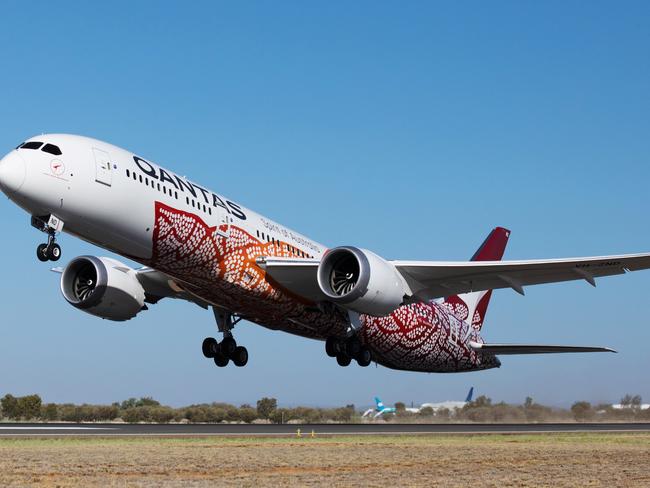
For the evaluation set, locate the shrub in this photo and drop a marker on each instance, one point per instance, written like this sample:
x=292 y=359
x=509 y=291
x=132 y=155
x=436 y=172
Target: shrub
x=582 y=411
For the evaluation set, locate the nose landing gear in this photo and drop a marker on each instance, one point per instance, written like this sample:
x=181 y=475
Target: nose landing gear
x=226 y=350
x=51 y=224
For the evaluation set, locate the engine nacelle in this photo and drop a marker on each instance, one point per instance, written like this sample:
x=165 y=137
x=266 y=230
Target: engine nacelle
x=103 y=287
x=360 y=280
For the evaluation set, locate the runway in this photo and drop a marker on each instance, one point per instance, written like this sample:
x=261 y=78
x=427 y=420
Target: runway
x=261 y=430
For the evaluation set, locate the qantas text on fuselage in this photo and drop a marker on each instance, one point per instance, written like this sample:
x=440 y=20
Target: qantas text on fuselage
x=199 y=246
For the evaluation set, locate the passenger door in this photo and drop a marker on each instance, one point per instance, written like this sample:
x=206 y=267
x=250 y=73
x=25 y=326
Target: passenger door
x=103 y=173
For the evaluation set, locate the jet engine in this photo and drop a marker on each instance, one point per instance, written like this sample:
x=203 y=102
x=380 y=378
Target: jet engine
x=103 y=287
x=360 y=280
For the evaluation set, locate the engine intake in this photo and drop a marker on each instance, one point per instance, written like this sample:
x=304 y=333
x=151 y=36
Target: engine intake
x=361 y=281
x=102 y=287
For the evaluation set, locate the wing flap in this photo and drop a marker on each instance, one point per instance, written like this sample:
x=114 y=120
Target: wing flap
x=502 y=349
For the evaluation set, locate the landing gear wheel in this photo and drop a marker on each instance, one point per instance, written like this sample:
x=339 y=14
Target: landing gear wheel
x=41 y=253
x=221 y=360
x=364 y=358
x=54 y=252
x=240 y=356
x=353 y=347
x=210 y=347
x=343 y=359
x=228 y=346
x=331 y=346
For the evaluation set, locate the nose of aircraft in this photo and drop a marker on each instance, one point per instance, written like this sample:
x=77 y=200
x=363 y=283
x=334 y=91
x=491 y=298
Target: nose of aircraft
x=12 y=172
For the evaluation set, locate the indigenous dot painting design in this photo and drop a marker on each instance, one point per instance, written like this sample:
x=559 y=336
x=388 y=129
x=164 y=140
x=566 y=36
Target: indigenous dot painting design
x=223 y=270
x=424 y=337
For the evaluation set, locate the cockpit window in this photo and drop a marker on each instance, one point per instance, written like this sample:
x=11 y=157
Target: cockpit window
x=52 y=149
x=31 y=145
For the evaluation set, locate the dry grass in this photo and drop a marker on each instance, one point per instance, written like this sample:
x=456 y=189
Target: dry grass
x=485 y=460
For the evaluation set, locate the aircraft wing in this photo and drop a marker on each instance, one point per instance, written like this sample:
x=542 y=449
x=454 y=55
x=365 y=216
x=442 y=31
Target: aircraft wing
x=158 y=285
x=435 y=279
x=500 y=349
x=430 y=280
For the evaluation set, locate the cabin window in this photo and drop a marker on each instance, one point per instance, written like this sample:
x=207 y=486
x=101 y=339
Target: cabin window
x=128 y=174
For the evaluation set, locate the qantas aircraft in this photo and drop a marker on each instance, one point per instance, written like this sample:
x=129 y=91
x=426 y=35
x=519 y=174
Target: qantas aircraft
x=200 y=246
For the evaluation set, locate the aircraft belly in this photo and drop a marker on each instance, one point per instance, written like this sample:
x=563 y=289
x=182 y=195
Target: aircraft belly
x=424 y=337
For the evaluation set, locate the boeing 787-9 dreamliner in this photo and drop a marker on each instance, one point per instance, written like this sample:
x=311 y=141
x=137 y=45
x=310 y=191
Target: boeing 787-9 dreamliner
x=200 y=246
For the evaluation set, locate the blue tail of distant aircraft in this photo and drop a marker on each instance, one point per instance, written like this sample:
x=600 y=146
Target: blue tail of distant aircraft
x=469 y=395
x=380 y=404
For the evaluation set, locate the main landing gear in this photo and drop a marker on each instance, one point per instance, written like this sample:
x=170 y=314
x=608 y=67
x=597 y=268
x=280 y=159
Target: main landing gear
x=51 y=224
x=345 y=350
x=227 y=350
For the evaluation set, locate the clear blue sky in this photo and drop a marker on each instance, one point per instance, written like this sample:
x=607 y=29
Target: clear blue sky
x=409 y=128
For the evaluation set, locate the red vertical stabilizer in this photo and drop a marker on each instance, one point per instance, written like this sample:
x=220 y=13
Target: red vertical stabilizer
x=472 y=307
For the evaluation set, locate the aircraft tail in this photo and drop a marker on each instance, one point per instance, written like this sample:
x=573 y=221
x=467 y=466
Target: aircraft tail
x=472 y=307
x=379 y=403
x=469 y=395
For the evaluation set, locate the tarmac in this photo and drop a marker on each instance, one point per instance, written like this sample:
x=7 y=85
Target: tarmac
x=283 y=430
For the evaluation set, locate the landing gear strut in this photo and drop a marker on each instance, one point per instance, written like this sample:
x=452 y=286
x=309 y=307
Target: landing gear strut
x=226 y=350
x=345 y=350
x=51 y=224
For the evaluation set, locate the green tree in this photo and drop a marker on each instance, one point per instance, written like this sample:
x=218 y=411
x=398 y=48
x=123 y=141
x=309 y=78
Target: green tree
x=247 y=414
x=50 y=412
x=29 y=406
x=626 y=401
x=147 y=402
x=9 y=404
x=426 y=412
x=482 y=401
x=582 y=411
x=266 y=407
x=400 y=407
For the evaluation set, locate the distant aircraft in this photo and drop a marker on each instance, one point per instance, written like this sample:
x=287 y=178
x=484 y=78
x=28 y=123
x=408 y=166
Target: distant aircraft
x=379 y=410
x=620 y=406
x=449 y=405
x=199 y=246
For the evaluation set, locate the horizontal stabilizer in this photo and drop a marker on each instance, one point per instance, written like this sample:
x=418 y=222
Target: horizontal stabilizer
x=533 y=348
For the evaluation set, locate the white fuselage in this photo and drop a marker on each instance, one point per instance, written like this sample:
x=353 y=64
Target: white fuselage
x=209 y=244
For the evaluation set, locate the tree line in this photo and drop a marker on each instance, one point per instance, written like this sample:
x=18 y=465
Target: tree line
x=146 y=409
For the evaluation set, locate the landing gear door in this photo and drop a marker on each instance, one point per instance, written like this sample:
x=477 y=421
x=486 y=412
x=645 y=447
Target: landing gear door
x=103 y=173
